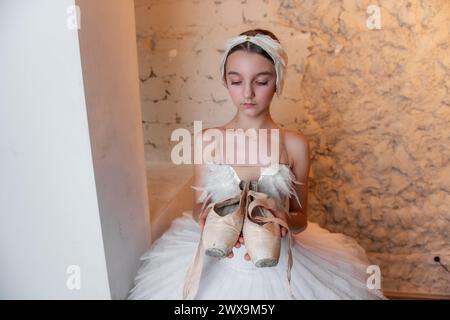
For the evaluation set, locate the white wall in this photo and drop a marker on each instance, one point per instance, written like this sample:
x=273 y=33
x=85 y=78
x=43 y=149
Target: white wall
x=53 y=190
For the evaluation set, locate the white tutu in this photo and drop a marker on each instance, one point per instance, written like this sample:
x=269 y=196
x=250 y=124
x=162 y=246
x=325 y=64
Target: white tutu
x=325 y=265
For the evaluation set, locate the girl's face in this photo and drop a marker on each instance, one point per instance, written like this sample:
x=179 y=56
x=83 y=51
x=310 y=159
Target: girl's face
x=251 y=78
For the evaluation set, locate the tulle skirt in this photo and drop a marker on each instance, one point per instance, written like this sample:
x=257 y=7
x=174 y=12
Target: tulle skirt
x=325 y=266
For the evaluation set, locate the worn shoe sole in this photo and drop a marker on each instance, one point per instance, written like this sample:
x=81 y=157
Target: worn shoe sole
x=216 y=253
x=262 y=263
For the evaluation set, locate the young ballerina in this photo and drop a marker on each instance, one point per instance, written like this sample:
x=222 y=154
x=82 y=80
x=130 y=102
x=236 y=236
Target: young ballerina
x=323 y=265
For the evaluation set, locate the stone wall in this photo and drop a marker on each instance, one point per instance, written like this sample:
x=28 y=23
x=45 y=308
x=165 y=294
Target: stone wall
x=374 y=104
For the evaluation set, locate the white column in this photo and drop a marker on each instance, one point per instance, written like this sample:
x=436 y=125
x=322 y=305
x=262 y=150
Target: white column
x=111 y=80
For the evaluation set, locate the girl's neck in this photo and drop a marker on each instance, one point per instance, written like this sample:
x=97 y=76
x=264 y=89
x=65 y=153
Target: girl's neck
x=240 y=121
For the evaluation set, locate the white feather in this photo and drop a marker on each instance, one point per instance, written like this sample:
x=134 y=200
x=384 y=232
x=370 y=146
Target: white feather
x=219 y=183
x=280 y=184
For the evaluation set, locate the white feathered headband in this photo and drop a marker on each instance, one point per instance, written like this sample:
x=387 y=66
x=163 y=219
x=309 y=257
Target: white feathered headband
x=271 y=46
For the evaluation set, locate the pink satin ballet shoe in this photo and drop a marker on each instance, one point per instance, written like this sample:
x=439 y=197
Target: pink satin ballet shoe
x=222 y=228
x=223 y=225
x=261 y=231
x=262 y=236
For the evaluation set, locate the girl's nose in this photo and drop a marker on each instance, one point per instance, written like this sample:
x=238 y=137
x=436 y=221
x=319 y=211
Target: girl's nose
x=248 y=91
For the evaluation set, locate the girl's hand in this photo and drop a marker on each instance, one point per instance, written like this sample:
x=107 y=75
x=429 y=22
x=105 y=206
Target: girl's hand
x=237 y=245
x=283 y=216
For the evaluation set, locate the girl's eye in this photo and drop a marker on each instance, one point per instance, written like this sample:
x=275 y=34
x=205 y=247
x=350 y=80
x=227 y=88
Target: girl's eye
x=260 y=83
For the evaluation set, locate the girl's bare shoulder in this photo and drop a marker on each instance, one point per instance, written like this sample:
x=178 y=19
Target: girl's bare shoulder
x=297 y=145
x=294 y=136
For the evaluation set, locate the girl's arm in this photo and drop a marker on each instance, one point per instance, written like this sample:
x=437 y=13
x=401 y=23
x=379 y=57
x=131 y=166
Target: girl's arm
x=299 y=152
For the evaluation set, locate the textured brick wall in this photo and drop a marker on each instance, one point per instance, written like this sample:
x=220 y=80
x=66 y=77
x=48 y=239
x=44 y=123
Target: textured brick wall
x=374 y=104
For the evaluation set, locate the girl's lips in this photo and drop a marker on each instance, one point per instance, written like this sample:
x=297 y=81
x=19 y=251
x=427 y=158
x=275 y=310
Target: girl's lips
x=249 y=105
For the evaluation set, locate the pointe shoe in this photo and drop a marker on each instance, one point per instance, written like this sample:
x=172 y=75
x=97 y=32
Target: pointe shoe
x=222 y=228
x=223 y=224
x=260 y=231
